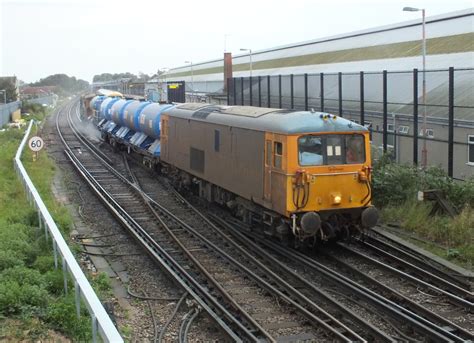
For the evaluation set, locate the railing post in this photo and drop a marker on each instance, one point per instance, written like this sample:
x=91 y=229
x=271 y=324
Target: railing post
x=259 y=91
x=415 y=116
x=279 y=91
x=292 y=94
x=339 y=81
x=384 y=87
x=55 y=252
x=268 y=91
x=321 y=86
x=77 y=296
x=242 y=91
x=251 y=90
x=362 y=109
x=305 y=92
x=94 y=327
x=451 y=121
x=65 y=275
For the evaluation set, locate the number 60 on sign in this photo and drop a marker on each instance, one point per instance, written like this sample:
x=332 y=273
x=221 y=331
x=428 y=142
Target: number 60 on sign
x=35 y=143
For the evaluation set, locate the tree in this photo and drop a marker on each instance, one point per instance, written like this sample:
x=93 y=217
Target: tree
x=9 y=86
x=66 y=83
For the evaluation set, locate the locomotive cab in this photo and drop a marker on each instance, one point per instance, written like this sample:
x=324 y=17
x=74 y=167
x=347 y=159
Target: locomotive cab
x=330 y=193
x=326 y=176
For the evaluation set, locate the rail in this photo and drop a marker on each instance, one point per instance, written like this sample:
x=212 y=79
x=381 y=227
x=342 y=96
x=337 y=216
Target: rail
x=101 y=322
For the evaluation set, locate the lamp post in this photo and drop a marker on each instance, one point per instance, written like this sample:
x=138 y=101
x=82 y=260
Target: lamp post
x=4 y=95
x=250 y=56
x=424 y=151
x=192 y=78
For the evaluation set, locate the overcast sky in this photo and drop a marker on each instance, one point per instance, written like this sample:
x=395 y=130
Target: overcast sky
x=87 y=37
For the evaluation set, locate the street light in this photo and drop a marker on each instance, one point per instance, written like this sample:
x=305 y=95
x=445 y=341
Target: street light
x=192 y=78
x=250 y=56
x=424 y=151
x=4 y=95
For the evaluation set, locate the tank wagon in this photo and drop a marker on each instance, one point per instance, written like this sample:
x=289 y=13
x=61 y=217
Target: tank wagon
x=300 y=176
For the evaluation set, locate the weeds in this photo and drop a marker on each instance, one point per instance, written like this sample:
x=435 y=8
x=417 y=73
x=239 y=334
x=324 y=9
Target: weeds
x=395 y=191
x=31 y=290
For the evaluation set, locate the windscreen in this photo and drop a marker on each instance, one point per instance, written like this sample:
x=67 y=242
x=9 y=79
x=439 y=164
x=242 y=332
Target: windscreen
x=318 y=150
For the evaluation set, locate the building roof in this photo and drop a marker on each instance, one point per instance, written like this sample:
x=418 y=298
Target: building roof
x=38 y=90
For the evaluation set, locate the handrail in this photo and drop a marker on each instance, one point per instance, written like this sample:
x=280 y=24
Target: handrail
x=100 y=318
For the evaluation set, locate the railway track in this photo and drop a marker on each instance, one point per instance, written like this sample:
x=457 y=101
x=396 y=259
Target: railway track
x=417 y=276
x=245 y=310
x=207 y=240
x=392 y=305
x=254 y=291
x=112 y=188
x=387 y=247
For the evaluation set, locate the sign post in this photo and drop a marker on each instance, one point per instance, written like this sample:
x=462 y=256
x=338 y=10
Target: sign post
x=35 y=144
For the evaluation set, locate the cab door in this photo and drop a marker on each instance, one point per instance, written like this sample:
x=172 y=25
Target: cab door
x=267 y=189
x=275 y=172
x=164 y=137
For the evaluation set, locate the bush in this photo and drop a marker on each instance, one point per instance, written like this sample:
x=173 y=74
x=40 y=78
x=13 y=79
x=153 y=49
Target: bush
x=54 y=280
x=22 y=276
x=62 y=316
x=14 y=297
x=395 y=183
x=44 y=263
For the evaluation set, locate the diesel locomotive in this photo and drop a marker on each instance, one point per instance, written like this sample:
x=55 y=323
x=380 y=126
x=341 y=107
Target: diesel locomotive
x=300 y=176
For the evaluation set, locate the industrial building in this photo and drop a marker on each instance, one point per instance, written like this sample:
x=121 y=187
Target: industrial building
x=292 y=76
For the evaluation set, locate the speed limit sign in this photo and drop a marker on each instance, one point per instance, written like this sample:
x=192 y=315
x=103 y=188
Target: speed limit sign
x=35 y=143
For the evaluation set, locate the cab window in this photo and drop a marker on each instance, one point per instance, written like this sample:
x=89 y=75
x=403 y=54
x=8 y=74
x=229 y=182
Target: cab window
x=354 y=149
x=317 y=150
x=310 y=150
x=277 y=154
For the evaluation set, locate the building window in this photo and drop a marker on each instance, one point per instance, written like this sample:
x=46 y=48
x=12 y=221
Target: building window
x=390 y=128
x=217 y=140
x=429 y=133
x=403 y=129
x=277 y=154
x=470 y=149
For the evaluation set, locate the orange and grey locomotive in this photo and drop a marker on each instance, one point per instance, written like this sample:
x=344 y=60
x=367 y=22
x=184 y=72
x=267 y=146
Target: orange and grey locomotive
x=300 y=176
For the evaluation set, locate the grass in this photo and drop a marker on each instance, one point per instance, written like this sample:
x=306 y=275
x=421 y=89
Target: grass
x=395 y=189
x=32 y=303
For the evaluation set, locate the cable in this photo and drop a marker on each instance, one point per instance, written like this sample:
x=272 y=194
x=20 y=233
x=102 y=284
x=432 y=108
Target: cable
x=92 y=237
x=155 y=326
x=106 y=254
x=147 y=297
x=163 y=330
x=183 y=326
x=188 y=326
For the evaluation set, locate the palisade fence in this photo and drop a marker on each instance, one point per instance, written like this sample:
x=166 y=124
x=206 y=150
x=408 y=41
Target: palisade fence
x=377 y=100
x=6 y=111
x=101 y=322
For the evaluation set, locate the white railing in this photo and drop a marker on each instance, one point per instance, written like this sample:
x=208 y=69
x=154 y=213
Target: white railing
x=101 y=322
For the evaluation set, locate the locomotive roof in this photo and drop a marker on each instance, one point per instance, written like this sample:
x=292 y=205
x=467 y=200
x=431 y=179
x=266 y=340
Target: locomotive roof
x=265 y=119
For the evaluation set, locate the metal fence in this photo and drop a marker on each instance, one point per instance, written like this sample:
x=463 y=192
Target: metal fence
x=101 y=322
x=6 y=111
x=383 y=97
